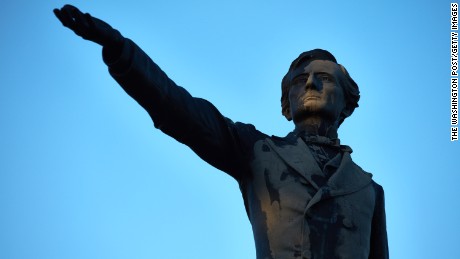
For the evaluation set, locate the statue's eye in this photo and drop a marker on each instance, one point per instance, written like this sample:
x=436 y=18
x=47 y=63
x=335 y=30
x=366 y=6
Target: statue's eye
x=302 y=79
x=325 y=78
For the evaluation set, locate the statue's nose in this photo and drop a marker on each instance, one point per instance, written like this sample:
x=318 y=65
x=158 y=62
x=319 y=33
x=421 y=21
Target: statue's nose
x=312 y=82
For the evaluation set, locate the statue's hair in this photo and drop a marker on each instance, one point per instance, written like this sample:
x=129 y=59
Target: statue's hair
x=350 y=88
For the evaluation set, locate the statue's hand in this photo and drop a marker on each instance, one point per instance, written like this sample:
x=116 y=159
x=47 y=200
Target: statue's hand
x=88 y=27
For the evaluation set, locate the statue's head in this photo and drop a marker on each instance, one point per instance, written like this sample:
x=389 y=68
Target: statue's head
x=316 y=84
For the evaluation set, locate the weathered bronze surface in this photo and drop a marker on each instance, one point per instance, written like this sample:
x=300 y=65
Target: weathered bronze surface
x=303 y=194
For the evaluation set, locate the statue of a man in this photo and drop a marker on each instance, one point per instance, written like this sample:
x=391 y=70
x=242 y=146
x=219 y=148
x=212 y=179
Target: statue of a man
x=303 y=194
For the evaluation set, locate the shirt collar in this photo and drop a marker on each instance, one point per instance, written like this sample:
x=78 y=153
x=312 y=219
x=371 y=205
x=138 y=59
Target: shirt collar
x=321 y=140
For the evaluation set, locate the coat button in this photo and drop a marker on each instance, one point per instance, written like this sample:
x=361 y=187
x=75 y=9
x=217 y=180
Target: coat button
x=348 y=223
x=306 y=254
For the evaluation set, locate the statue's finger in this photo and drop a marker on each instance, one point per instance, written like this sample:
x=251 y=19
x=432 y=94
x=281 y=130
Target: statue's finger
x=70 y=8
x=66 y=18
x=57 y=12
x=81 y=23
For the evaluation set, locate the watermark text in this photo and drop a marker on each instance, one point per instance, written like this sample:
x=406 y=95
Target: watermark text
x=454 y=71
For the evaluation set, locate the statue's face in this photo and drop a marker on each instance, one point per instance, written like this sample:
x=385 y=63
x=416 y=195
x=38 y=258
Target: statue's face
x=315 y=91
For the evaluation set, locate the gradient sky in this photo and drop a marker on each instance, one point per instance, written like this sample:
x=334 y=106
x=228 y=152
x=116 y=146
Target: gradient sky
x=84 y=174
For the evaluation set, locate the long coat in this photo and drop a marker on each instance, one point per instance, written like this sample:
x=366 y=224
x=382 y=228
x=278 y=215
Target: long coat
x=295 y=212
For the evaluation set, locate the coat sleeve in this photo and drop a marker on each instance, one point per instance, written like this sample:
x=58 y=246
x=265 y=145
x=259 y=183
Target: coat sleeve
x=192 y=121
x=379 y=240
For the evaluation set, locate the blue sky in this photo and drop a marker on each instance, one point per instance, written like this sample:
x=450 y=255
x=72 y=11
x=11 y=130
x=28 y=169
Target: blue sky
x=84 y=174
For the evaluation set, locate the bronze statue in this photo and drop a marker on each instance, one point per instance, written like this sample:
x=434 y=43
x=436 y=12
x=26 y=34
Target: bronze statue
x=304 y=196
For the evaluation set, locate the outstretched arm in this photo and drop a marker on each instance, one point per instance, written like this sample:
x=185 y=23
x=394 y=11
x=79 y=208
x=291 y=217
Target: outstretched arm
x=192 y=121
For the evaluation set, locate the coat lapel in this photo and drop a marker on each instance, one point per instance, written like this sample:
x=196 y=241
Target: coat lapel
x=348 y=177
x=297 y=155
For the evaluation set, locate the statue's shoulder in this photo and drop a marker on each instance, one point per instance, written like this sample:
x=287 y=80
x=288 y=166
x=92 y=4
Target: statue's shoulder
x=246 y=133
